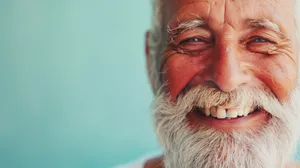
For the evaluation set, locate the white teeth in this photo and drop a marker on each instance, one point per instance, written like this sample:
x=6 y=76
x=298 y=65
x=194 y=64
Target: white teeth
x=240 y=112
x=232 y=113
x=251 y=109
x=221 y=113
x=213 y=111
x=207 y=111
x=246 y=112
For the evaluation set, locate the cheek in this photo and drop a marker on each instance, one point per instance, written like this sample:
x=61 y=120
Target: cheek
x=178 y=72
x=279 y=75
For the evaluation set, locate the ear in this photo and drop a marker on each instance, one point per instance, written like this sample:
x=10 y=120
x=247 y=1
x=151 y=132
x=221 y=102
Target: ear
x=149 y=60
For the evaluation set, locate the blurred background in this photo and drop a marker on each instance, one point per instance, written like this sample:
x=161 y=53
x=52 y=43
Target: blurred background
x=73 y=88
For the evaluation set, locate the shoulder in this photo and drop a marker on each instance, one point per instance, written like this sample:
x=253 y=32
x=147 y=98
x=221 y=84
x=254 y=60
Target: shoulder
x=156 y=162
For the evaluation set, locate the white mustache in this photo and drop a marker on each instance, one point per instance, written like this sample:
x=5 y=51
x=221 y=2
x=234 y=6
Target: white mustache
x=206 y=96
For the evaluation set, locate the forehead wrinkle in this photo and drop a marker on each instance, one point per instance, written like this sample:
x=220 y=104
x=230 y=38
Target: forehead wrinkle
x=191 y=2
x=271 y=3
x=254 y=1
x=242 y=8
x=204 y=13
x=180 y=7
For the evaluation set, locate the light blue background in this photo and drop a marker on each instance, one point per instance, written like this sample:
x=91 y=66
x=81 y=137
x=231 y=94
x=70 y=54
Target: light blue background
x=73 y=89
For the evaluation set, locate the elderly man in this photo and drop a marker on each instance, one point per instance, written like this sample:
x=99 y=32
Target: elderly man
x=224 y=73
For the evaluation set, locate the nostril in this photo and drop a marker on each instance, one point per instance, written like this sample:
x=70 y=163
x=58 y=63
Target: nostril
x=212 y=84
x=229 y=83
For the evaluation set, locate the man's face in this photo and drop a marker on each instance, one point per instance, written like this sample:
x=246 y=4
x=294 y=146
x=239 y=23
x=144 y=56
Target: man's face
x=240 y=43
x=230 y=70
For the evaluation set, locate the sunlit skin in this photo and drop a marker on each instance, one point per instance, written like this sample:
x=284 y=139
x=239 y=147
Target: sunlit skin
x=228 y=54
x=228 y=61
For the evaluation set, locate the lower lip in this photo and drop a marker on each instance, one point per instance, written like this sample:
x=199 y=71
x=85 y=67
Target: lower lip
x=255 y=119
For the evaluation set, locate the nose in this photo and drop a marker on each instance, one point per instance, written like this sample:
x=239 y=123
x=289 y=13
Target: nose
x=226 y=71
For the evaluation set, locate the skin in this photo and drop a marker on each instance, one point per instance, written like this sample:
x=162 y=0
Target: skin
x=232 y=55
x=228 y=62
x=154 y=163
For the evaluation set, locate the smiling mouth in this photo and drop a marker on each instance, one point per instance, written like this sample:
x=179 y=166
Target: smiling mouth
x=228 y=118
x=226 y=113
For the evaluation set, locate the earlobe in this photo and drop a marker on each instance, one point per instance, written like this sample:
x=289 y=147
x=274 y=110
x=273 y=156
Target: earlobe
x=146 y=43
x=147 y=53
x=149 y=60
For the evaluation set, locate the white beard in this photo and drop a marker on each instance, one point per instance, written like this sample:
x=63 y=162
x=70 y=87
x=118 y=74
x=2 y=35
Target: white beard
x=272 y=146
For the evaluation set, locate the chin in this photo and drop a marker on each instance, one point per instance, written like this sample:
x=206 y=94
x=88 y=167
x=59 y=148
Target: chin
x=206 y=128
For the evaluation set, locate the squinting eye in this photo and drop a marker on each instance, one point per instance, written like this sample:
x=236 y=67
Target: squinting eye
x=259 y=40
x=192 y=40
x=260 y=45
x=194 y=44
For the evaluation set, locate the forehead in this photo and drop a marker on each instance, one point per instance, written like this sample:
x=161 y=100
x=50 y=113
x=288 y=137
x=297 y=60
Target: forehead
x=232 y=12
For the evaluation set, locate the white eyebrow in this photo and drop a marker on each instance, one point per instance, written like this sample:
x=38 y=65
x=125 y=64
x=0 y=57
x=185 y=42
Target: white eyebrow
x=255 y=23
x=264 y=23
x=187 y=25
x=250 y=23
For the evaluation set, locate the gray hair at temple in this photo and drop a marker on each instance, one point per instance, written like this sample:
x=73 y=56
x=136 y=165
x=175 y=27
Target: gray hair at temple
x=156 y=41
